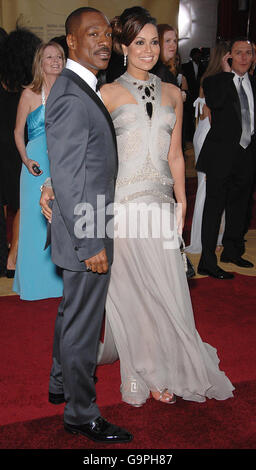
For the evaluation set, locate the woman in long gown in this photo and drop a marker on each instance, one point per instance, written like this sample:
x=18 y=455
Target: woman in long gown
x=202 y=112
x=36 y=276
x=148 y=305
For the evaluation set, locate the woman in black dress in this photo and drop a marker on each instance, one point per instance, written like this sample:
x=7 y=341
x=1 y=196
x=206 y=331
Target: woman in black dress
x=3 y=241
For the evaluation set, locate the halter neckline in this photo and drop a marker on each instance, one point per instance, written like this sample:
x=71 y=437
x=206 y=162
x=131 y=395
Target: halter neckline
x=136 y=81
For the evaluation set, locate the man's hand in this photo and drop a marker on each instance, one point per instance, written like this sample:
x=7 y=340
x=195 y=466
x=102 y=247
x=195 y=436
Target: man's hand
x=46 y=196
x=224 y=62
x=98 y=263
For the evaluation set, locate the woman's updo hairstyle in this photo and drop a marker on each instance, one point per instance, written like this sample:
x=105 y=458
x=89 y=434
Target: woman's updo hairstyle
x=128 y=25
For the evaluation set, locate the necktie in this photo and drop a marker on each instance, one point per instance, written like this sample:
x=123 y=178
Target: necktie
x=246 y=120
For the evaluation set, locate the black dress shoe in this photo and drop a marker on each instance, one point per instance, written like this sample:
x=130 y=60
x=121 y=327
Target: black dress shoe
x=218 y=273
x=100 y=430
x=239 y=261
x=56 y=398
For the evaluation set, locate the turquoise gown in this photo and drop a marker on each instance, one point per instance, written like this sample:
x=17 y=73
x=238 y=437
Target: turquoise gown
x=36 y=277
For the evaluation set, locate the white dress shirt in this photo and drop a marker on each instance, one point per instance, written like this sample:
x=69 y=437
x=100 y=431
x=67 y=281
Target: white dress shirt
x=248 y=90
x=83 y=73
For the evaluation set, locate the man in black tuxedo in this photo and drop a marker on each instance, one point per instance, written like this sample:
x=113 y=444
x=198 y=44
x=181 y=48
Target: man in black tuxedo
x=228 y=158
x=193 y=71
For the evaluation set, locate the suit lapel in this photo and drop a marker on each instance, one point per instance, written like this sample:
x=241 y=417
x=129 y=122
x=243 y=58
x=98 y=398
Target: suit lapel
x=253 y=84
x=236 y=102
x=87 y=89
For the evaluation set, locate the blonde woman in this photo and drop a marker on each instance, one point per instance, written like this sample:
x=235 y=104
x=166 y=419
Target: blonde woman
x=35 y=275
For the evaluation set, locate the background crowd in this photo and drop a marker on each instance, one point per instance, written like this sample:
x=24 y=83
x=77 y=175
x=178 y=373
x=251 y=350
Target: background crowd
x=59 y=120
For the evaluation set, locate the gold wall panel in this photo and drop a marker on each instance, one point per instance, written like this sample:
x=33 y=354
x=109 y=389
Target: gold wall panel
x=46 y=18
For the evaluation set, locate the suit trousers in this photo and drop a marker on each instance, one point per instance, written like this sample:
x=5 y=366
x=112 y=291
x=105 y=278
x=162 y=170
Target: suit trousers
x=76 y=341
x=230 y=193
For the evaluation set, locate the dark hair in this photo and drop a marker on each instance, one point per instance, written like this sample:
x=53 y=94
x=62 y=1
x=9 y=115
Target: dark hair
x=73 y=20
x=16 y=58
x=240 y=39
x=3 y=36
x=128 y=25
x=61 y=40
x=194 y=51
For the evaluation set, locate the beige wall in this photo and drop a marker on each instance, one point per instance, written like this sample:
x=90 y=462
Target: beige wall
x=46 y=18
x=203 y=31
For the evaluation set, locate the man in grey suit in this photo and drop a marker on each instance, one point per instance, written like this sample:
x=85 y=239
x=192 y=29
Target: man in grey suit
x=83 y=163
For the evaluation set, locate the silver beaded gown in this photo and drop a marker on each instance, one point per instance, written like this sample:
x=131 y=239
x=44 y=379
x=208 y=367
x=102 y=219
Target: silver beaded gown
x=149 y=319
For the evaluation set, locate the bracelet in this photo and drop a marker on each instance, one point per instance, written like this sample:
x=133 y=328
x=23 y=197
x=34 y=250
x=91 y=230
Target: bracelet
x=47 y=184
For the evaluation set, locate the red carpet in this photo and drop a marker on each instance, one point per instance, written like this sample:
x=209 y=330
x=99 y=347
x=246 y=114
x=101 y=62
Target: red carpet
x=225 y=317
x=213 y=425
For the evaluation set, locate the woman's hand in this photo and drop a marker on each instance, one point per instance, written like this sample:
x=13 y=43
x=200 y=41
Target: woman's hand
x=206 y=113
x=29 y=164
x=180 y=216
x=184 y=95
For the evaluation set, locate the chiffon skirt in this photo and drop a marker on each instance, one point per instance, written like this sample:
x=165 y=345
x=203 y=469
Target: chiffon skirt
x=150 y=327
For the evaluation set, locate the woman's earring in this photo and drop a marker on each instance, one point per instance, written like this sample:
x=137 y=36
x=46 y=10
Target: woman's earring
x=125 y=60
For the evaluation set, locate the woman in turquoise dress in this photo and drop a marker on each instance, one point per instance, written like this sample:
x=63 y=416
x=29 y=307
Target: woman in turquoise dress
x=36 y=277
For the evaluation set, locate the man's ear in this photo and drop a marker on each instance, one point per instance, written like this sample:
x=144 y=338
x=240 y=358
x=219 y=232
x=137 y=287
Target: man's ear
x=71 y=41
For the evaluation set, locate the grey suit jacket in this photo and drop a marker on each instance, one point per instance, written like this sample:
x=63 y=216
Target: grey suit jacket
x=83 y=164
